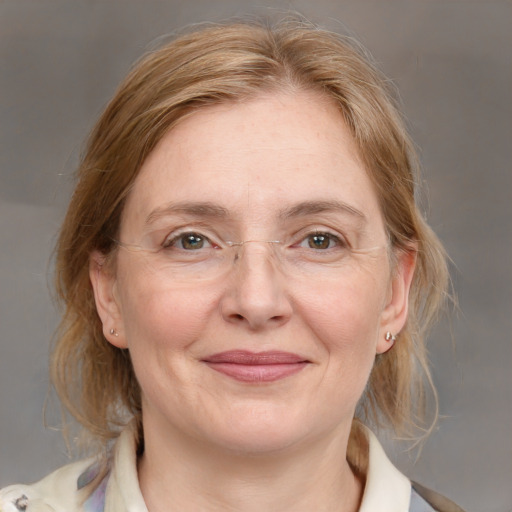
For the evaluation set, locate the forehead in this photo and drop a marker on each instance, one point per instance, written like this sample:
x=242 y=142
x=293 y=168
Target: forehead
x=256 y=157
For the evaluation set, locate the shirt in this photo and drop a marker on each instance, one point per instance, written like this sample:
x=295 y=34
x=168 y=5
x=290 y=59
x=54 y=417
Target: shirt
x=386 y=488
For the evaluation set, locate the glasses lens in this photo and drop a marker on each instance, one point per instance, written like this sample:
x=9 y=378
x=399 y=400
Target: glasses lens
x=193 y=256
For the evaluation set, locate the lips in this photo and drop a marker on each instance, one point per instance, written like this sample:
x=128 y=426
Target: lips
x=254 y=367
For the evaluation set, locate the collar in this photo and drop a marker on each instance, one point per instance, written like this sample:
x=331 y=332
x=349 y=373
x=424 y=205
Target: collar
x=123 y=491
x=386 y=489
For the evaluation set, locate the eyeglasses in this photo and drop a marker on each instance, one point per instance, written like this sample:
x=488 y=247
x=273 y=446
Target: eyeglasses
x=191 y=255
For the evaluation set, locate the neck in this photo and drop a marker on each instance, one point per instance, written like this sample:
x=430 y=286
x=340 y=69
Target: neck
x=193 y=475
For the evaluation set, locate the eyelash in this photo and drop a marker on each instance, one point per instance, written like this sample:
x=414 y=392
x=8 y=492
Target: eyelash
x=337 y=240
x=171 y=242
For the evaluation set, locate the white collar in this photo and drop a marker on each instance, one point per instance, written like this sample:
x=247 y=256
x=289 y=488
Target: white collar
x=386 y=489
x=123 y=491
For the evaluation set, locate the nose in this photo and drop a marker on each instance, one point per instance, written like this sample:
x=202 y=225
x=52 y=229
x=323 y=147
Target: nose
x=256 y=294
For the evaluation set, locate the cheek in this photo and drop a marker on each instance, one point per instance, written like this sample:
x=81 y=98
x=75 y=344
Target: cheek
x=345 y=313
x=162 y=316
x=162 y=327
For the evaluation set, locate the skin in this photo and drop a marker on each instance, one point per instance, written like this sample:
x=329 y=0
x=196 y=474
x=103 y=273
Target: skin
x=212 y=442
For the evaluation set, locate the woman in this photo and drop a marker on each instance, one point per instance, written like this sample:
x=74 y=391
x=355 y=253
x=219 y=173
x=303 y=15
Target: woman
x=247 y=280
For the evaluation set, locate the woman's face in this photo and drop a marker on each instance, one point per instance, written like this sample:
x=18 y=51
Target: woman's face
x=264 y=345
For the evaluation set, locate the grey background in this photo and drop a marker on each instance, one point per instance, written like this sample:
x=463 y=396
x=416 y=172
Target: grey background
x=60 y=62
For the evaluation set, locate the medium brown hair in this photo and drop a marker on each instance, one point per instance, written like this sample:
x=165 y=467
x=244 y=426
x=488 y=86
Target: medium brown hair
x=222 y=64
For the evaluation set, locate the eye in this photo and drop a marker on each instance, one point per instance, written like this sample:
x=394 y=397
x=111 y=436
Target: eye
x=188 y=242
x=321 y=241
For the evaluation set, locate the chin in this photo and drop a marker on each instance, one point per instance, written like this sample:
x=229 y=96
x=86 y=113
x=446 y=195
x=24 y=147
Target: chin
x=259 y=442
x=260 y=432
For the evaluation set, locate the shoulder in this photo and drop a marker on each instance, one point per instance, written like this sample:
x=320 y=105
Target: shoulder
x=89 y=485
x=59 y=491
x=427 y=500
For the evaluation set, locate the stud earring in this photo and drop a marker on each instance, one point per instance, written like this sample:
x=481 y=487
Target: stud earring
x=114 y=333
x=390 y=337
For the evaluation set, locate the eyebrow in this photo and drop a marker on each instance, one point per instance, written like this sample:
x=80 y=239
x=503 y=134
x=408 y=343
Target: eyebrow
x=314 y=207
x=215 y=211
x=197 y=209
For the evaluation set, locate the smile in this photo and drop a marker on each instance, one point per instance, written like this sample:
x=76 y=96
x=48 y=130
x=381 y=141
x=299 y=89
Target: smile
x=253 y=367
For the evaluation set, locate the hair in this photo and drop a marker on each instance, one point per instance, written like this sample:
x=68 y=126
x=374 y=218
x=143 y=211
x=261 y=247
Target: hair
x=227 y=63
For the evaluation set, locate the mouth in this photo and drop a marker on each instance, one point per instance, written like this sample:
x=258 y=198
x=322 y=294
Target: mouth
x=254 y=367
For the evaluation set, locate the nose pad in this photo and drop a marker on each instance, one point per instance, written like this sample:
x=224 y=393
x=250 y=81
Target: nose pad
x=256 y=294
x=240 y=246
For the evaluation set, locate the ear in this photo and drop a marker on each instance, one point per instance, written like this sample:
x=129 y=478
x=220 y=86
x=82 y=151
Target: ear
x=103 y=283
x=394 y=315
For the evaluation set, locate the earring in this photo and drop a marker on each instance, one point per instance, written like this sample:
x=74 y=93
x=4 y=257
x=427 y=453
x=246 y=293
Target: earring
x=114 y=333
x=390 y=337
